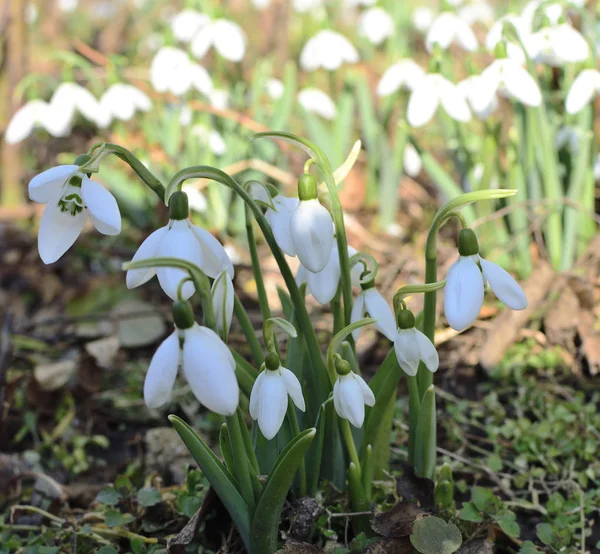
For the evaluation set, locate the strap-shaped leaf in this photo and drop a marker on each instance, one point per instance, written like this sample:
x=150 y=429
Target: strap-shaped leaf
x=263 y=538
x=425 y=441
x=218 y=476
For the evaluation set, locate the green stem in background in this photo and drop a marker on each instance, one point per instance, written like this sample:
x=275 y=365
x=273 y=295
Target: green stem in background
x=263 y=301
x=338 y=314
x=367 y=472
x=349 y=440
x=293 y=419
x=248 y=330
x=414 y=406
x=391 y=167
x=240 y=460
x=425 y=441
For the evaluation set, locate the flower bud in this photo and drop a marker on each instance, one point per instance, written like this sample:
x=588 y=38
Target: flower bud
x=467 y=243
x=307 y=187
x=272 y=362
x=405 y=319
x=342 y=367
x=183 y=315
x=179 y=207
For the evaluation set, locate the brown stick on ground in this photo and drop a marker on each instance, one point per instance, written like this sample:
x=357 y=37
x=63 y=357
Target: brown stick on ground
x=509 y=323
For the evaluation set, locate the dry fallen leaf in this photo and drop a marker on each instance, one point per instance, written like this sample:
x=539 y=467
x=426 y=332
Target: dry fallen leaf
x=104 y=350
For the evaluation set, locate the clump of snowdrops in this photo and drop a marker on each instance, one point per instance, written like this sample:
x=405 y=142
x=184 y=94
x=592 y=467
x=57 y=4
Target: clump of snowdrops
x=315 y=417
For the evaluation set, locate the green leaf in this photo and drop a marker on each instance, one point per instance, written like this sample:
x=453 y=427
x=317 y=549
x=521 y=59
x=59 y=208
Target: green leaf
x=117 y=519
x=265 y=523
x=218 y=476
x=481 y=497
x=469 y=512
x=188 y=504
x=148 y=496
x=425 y=440
x=528 y=548
x=109 y=496
x=432 y=535
x=106 y=550
x=545 y=532
x=508 y=524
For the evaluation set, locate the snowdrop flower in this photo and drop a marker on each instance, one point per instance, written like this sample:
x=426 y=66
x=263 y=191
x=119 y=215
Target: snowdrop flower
x=71 y=197
x=431 y=91
x=357 y=3
x=207 y=363
x=376 y=25
x=481 y=99
x=465 y=283
x=552 y=11
x=557 y=45
x=68 y=99
x=227 y=38
x=495 y=35
x=200 y=80
x=269 y=396
x=480 y=11
x=275 y=88
x=121 y=101
x=187 y=23
x=219 y=98
x=261 y=4
x=422 y=18
x=412 y=161
x=212 y=138
x=68 y=6
x=585 y=87
x=316 y=101
x=179 y=239
x=172 y=71
x=329 y=50
x=324 y=284
x=351 y=394
x=448 y=28
x=412 y=346
x=25 y=120
x=311 y=227
x=279 y=219
x=304 y=6
x=222 y=295
x=196 y=199
x=371 y=302
x=403 y=75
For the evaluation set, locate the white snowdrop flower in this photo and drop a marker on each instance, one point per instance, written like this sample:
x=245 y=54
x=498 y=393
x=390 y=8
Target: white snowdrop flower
x=275 y=88
x=186 y=115
x=495 y=35
x=196 y=199
x=448 y=28
x=314 y=100
x=481 y=98
x=304 y=6
x=121 y=101
x=31 y=13
x=412 y=161
x=351 y=394
x=261 y=4
x=225 y=36
x=223 y=295
x=207 y=364
x=358 y=3
x=210 y=137
x=584 y=89
x=329 y=50
x=422 y=18
x=403 y=75
x=219 y=98
x=68 y=100
x=465 y=284
x=552 y=11
x=431 y=91
x=179 y=239
x=557 y=45
x=269 y=396
x=67 y=6
x=477 y=12
x=324 y=284
x=412 y=346
x=187 y=23
x=170 y=71
x=371 y=302
x=201 y=80
x=25 y=120
x=279 y=219
x=376 y=25
x=71 y=199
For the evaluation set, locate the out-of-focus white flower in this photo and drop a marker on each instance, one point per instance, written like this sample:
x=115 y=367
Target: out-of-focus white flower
x=448 y=28
x=481 y=98
x=219 y=98
x=329 y=50
x=585 y=87
x=200 y=79
x=210 y=137
x=25 y=120
x=68 y=6
x=187 y=23
x=371 y=302
x=431 y=91
x=261 y=4
x=552 y=11
x=404 y=74
x=422 y=18
x=279 y=219
x=479 y=11
x=557 y=45
x=68 y=100
x=71 y=198
x=173 y=71
x=303 y=6
x=412 y=346
x=227 y=38
x=223 y=296
x=376 y=25
x=186 y=115
x=31 y=13
x=412 y=161
x=364 y=3
x=513 y=50
x=196 y=199
x=121 y=101
x=275 y=88
x=316 y=101
x=350 y=395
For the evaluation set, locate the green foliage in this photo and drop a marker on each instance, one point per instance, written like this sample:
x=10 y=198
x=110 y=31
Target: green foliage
x=432 y=535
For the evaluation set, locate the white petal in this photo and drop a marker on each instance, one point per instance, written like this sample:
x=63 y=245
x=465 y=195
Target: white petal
x=58 y=231
x=336 y=400
x=214 y=257
x=504 y=285
x=407 y=351
x=200 y=79
x=377 y=307
x=47 y=184
x=521 y=85
x=403 y=74
x=148 y=249
x=280 y=222
x=311 y=229
x=324 y=284
x=464 y=35
x=202 y=41
x=441 y=32
x=351 y=400
x=411 y=161
x=368 y=396
x=272 y=404
x=453 y=100
x=229 y=40
x=162 y=372
x=222 y=298
x=255 y=396
x=358 y=313
x=316 y=101
x=103 y=207
x=210 y=370
x=422 y=104
x=24 y=121
x=427 y=351
x=463 y=294
x=294 y=388
x=585 y=86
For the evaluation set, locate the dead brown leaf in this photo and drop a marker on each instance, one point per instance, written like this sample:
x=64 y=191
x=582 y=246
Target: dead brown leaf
x=398 y=521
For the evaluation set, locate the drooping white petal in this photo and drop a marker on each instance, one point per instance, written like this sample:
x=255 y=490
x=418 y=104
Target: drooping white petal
x=187 y=23
x=329 y=50
x=358 y=313
x=229 y=40
x=279 y=220
x=508 y=291
x=58 y=231
x=202 y=41
x=316 y=101
x=24 y=121
x=519 y=84
x=407 y=351
x=293 y=387
x=162 y=372
x=404 y=74
x=368 y=396
x=423 y=103
x=464 y=36
x=351 y=400
x=585 y=86
x=104 y=210
x=376 y=25
x=442 y=31
x=222 y=299
x=148 y=249
x=255 y=396
x=311 y=230
x=336 y=399
x=200 y=79
x=210 y=370
x=463 y=294
x=427 y=351
x=272 y=403
x=377 y=307
x=214 y=256
x=324 y=284
x=411 y=161
x=47 y=184
x=453 y=100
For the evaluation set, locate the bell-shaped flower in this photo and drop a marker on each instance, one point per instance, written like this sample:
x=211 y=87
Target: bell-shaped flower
x=173 y=71
x=279 y=219
x=68 y=6
x=584 y=89
x=422 y=18
x=479 y=11
x=219 y=98
x=350 y=395
x=211 y=138
x=403 y=75
x=305 y=6
x=465 y=284
x=269 y=396
x=376 y=25
x=412 y=346
x=187 y=23
x=495 y=35
x=121 y=101
x=557 y=45
x=208 y=367
x=482 y=100
x=329 y=50
x=316 y=101
x=275 y=88
x=25 y=120
x=71 y=199
x=412 y=161
x=431 y=91
x=68 y=100
x=448 y=28
x=370 y=303
x=324 y=284
x=223 y=297
x=196 y=199
x=225 y=36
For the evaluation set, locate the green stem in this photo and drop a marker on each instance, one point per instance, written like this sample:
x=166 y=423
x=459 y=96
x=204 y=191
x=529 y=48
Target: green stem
x=302 y=482
x=414 y=405
x=248 y=330
x=263 y=301
x=242 y=471
x=349 y=440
